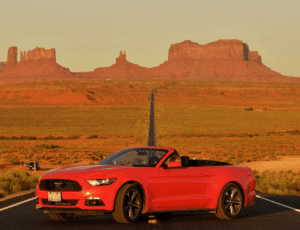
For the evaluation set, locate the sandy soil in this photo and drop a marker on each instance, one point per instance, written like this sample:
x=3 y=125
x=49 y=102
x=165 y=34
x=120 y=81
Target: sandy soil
x=285 y=163
x=260 y=96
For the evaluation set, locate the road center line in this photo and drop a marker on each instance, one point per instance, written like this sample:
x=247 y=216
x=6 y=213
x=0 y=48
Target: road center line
x=297 y=210
x=13 y=205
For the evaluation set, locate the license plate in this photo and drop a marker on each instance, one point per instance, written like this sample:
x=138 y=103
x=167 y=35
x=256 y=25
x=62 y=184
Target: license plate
x=54 y=196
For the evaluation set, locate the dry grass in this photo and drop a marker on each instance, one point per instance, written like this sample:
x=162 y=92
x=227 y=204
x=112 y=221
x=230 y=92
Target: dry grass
x=15 y=180
x=218 y=133
x=284 y=182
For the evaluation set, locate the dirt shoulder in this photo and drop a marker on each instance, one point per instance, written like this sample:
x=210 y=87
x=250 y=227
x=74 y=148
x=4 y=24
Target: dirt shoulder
x=285 y=163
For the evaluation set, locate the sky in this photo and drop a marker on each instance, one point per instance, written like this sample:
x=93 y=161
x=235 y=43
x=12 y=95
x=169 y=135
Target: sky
x=88 y=34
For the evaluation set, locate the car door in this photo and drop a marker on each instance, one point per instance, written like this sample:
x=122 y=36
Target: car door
x=180 y=188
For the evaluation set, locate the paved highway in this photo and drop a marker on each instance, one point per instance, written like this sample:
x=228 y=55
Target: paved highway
x=262 y=215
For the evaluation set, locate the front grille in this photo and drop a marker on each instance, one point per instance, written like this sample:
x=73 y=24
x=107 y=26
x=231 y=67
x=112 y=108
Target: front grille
x=62 y=203
x=60 y=185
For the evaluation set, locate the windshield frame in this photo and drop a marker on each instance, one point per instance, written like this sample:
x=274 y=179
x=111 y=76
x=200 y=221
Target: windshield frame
x=109 y=160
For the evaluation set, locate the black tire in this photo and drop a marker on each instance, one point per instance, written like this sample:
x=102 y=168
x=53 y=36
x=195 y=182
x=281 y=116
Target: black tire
x=128 y=205
x=230 y=202
x=61 y=216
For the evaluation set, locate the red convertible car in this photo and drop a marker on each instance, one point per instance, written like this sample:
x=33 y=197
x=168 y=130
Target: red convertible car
x=142 y=180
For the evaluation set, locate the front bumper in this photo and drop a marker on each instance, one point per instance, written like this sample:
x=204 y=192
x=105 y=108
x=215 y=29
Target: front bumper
x=104 y=197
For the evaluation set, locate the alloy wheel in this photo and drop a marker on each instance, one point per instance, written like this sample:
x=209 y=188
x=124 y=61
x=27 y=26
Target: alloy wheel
x=132 y=204
x=232 y=201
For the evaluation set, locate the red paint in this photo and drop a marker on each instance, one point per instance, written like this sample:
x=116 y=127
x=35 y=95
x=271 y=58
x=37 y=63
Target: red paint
x=165 y=188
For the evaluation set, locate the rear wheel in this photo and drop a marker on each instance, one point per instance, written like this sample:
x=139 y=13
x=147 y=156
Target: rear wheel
x=61 y=216
x=128 y=206
x=230 y=202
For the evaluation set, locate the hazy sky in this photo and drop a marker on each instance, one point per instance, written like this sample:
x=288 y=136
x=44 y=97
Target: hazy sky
x=90 y=33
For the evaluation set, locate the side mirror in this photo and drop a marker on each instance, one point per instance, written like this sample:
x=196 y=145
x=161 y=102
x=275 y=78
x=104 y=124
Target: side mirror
x=174 y=164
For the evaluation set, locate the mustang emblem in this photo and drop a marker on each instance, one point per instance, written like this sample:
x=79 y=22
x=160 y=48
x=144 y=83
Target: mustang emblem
x=58 y=184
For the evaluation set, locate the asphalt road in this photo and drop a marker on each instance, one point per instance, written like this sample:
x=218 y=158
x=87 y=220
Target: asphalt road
x=262 y=215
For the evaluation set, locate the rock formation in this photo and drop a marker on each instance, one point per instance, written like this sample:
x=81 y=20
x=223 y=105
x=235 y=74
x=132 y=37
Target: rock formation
x=2 y=66
x=222 y=50
x=122 y=57
x=222 y=60
x=35 y=64
x=122 y=69
x=12 y=56
x=41 y=54
x=253 y=56
x=22 y=57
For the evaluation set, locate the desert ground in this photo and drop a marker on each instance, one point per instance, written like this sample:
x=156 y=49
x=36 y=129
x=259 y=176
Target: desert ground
x=61 y=123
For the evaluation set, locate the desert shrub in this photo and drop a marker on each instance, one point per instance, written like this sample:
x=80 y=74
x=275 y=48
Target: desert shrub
x=23 y=138
x=64 y=163
x=294 y=132
x=15 y=180
x=92 y=137
x=49 y=146
x=14 y=160
x=52 y=138
x=38 y=157
x=27 y=138
x=47 y=157
x=87 y=156
x=284 y=182
x=95 y=158
x=52 y=160
x=2 y=193
x=99 y=154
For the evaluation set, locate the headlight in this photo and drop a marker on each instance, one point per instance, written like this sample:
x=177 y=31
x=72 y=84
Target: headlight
x=97 y=182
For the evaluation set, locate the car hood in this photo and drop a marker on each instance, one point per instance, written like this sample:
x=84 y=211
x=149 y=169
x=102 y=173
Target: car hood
x=84 y=171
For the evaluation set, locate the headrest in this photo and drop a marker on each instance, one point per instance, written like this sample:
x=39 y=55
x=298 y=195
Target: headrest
x=185 y=160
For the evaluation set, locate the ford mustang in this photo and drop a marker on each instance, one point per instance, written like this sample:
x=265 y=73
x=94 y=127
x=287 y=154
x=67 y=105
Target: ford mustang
x=141 y=180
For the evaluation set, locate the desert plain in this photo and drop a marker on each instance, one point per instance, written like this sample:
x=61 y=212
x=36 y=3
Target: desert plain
x=61 y=123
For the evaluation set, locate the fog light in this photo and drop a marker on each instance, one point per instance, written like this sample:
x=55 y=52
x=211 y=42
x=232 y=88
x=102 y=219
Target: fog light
x=94 y=201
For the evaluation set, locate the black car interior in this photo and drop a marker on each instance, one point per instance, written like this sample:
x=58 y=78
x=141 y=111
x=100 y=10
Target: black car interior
x=187 y=162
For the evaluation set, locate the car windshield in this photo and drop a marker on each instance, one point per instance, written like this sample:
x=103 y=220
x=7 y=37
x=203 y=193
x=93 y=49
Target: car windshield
x=138 y=157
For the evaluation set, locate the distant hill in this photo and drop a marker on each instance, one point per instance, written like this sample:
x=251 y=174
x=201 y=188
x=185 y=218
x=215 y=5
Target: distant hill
x=222 y=60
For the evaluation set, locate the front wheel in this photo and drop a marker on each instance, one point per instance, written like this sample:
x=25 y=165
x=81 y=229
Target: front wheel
x=230 y=202
x=128 y=206
x=60 y=216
